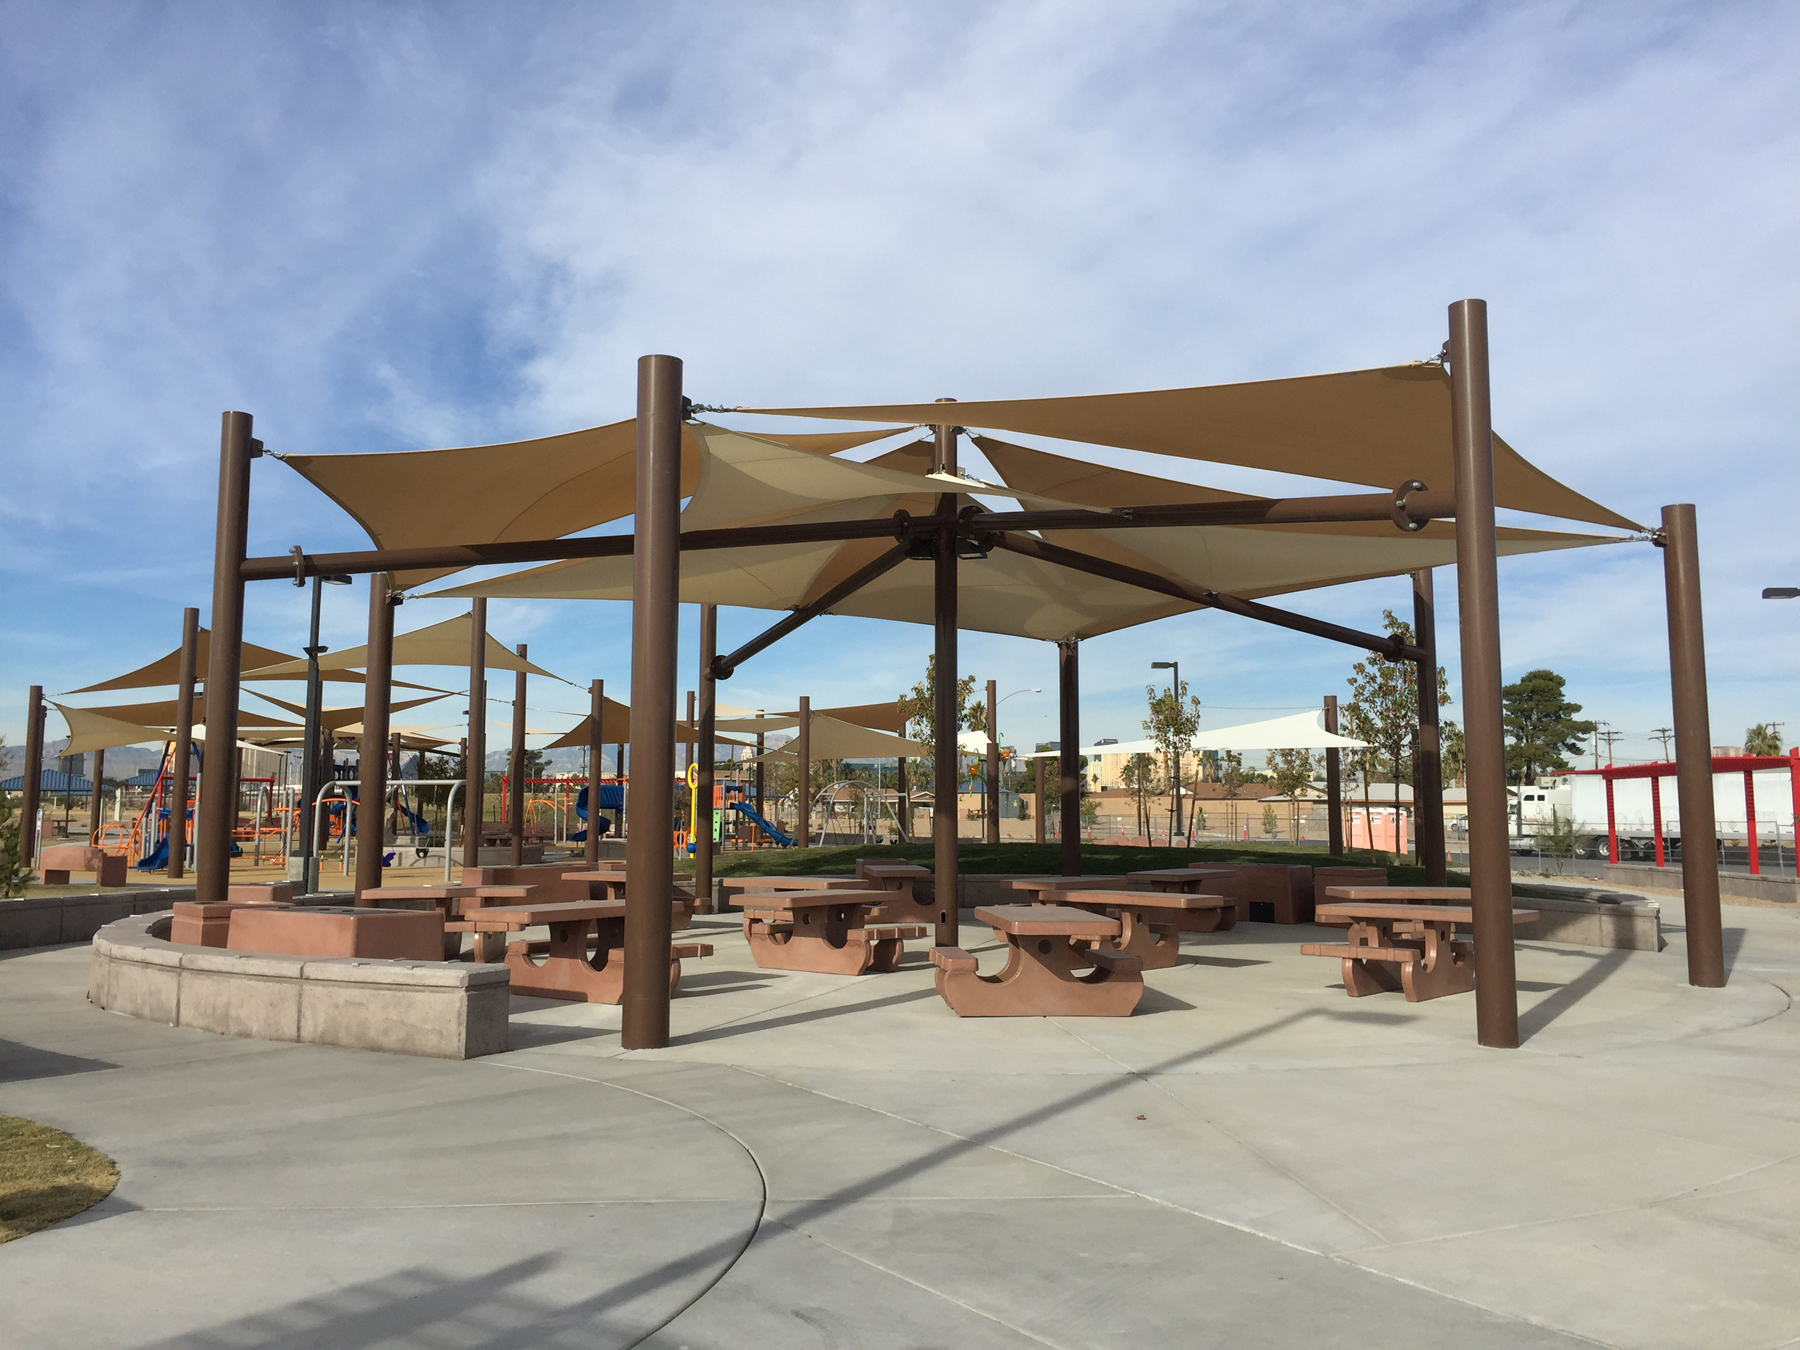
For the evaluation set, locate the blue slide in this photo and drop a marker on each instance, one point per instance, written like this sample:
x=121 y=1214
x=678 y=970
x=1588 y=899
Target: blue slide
x=612 y=798
x=745 y=809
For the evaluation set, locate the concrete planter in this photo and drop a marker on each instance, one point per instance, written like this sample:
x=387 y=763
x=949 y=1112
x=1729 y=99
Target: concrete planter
x=46 y=920
x=435 y=1009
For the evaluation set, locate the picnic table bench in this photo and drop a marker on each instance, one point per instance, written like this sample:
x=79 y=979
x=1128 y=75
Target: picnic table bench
x=584 y=959
x=1047 y=974
x=1219 y=881
x=1044 y=890
x=1147 y=919
x=825 y=931
x=897 y=876
x=608 y=883
x=1402 y=938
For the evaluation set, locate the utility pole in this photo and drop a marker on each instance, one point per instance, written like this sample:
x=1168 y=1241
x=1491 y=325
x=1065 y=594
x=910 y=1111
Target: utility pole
x=1609 y=736
x=1665 y=735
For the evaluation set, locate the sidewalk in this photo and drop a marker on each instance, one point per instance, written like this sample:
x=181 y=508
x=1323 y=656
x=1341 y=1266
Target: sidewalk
x=1253 y=1159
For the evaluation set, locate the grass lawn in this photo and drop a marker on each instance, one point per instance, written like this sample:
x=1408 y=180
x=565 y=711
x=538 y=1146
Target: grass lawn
x=1097 y=859
x=46 y=1177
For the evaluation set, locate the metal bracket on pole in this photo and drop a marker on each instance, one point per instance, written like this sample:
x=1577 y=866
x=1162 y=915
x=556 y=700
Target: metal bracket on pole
x=1402 y=518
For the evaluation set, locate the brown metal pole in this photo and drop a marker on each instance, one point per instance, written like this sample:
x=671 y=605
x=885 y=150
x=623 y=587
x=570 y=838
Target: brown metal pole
x=1693 y=748
x=655 y=624
x=1068 y=672
x=372 y=749
x=1428 y=761
x=803 y=765
x=217 y=814
x=945 y=846
x=32 y=781
x=95 y=796
x=1334 y=784
x=688 y=747
x=1478 y=591
x=902 y=801
x=1038 y=833
x=475 y=763
x=184 y=743
x=516 y=765
x=704 y=732
x=596 y=755
x=993 y=762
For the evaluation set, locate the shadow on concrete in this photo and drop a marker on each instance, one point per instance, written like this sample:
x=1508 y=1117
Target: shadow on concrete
x=1732 y=940
x=419 y=1306
x=1228 y=962
x=721 y=979
x=1155 y=1000
x=795 y=1019
x=1541 y=1014
x=22 y=1063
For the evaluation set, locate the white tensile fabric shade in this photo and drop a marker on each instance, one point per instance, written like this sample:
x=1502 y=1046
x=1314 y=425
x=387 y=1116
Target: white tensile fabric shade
x=1298 y=731
x=1379 y=427
x=747 y=480
x=441 y=644
x=832 y=739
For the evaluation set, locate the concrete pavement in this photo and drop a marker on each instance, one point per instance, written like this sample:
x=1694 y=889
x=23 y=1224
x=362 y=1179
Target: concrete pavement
x=1253 y=1159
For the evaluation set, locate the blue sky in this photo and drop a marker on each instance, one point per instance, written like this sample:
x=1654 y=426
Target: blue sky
x=388 y=226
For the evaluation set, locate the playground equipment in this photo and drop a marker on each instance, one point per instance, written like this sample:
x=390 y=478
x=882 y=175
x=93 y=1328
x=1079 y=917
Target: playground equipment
x=347 y=804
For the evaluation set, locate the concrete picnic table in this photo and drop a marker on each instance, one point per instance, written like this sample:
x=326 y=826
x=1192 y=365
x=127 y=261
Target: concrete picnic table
x=825 y=931
x=1402 y=938
x=896 y=876
x=1215 y=881
x=1044 y=890
x=1046 y=973
x=568 y=969
x=609 y=883
x=446 y=899
x=1146 y=919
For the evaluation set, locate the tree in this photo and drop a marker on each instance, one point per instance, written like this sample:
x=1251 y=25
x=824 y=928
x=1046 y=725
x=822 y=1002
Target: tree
x=1174 y=718
x=1541 y=726
x=1763 y=739
x=1557 y=841
x=919 y=708
x=1270 y=825
x=1384 y=706
x=1139 y=778
x=1455 y=757
x=14 y=875
x=1291 y=773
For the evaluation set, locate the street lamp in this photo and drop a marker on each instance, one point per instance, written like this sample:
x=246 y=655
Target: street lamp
x=994 y=731
x=309 y=758
x=1174 y=666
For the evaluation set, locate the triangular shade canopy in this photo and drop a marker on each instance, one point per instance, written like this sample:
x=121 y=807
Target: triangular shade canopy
x=162 y=714
x=90 y=730
x=342 y=717
x=881 y=716
x=441 y=644
x=1378 y=427
x=537 y=489
x=1298 y=731
x=166 y=670
x=746 y=479
x=832 y=739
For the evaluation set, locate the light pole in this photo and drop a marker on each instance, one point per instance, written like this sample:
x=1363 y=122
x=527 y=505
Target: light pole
x=1175 y=667
x=309 y=761
x=1781 y=592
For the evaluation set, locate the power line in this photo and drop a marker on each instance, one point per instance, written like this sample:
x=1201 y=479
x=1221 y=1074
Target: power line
x=1664 y=734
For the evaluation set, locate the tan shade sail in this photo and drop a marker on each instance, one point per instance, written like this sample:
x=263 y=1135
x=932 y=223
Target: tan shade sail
x=480 y=494
x=1004 y=593
x=91 y=730
x=1378 y=427
x=166 y=670
x=442 y=644
x=616 y=725
x=342 y=717
x=163 y=714
x=832 y=739
x=881 y=716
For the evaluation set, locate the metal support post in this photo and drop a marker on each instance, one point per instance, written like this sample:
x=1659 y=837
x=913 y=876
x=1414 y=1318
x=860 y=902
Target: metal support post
x=596 y=756
x=32 y=782
x=372 y=749
x=475 y=766
x=1693 y=748
x=993 y=762
x=1428 y=761
x=217 y=815
x=309 y=757
x=1068 y=672
x=180 y=784
x=1478 y=589
x=902 y=802
x=1038 y=831
x=516 y=761
x=1334 y=784
x=704 y=731
x=655 y=623
x=803 y=768
x=96 y=802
